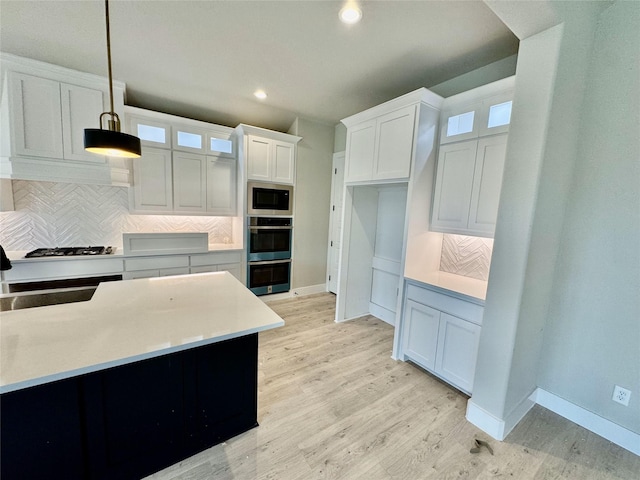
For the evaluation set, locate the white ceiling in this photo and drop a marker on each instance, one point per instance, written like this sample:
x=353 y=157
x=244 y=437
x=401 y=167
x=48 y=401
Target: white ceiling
x=204 y=59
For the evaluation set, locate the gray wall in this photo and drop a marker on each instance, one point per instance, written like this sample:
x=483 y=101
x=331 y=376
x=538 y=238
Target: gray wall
x=489 y=73
x=565 y=257
x=312 y=202
x=592 y=337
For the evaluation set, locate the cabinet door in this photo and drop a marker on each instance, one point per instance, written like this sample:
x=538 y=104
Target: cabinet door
x=394 y=136
x=189 y=182
x=283 y=158
x=420 y=336
x=81 y=108
x=454 y=179
x=360 y=151
x=461 y=122
x=234 y=269
x=258 y=158
x=496 y=114
x=152 y=181
x=487 y=183
x=457 y=351
x=37 y=116
x=221 y=186
x=189 y=139
x=152 y=133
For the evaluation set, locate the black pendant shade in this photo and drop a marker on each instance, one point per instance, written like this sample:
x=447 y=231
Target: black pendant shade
x=111 y=143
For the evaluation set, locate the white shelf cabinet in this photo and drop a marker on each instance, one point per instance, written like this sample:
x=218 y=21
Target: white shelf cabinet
x=381 y=148
x=467 y=186
x=441 y=334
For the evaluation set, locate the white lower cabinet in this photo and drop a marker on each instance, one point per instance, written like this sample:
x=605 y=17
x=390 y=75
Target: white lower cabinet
x=441 y=334
x=160 y=266
x=218 y=262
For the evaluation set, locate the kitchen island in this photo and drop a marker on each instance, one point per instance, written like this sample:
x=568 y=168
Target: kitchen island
x=144 y=374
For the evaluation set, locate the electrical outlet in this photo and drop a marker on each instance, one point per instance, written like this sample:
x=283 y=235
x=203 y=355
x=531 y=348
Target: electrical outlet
x=621 y=395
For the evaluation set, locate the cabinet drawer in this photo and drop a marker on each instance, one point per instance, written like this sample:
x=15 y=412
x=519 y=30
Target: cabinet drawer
x=215 y=259
x=445 y=303
x=156 y=263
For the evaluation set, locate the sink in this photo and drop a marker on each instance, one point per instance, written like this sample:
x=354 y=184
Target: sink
x=18 y=301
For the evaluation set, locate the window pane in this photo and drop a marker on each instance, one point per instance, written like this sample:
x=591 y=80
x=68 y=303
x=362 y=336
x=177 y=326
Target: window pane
x=192 y=140
x=219 y=145
x=499 y=114
x=460 y=124
x=151 y=134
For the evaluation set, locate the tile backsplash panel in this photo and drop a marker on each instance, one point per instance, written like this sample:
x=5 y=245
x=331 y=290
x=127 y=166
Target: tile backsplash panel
x=466 y=256
x=66 y=214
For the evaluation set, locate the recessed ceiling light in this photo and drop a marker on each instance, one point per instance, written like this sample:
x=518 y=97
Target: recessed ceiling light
x=261 y=94
x=350 y=13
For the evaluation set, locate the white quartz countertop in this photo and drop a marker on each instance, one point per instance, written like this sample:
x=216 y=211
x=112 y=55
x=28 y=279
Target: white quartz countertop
x=124 y=322
x=465 y=288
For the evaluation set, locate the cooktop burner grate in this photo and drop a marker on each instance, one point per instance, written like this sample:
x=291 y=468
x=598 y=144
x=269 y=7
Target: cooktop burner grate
x=68 y=251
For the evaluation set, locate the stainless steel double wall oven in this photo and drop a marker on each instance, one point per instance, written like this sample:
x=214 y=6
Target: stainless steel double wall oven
x=269 y=237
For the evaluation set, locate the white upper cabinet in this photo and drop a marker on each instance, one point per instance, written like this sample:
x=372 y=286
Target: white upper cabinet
x=380 y=148
x=221 y=186
x=203 y=140
x=454 y=181
x=477 y=113
x=151 y=132
x=360 y=151
x=50 y=118
x=394 y=143
x=189 y=182
x=192 y=170
x=467 y=188
x=270 y=160
x=268 y=156
x=152 y=190
x=81 y=108
x=37 y=115
x=44 y=111
x=473 y=141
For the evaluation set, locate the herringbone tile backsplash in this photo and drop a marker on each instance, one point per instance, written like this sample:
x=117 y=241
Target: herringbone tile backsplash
x=466 y=256
x=66 y=214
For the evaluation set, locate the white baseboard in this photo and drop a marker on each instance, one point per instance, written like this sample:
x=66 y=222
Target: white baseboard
x=499 y=428
x=605 y=428
x=310 y=290
x=382 y=313
x=295 y=292
x=485 y=421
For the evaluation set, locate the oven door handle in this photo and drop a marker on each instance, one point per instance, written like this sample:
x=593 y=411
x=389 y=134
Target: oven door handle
x=270 y=262
x=288 y=227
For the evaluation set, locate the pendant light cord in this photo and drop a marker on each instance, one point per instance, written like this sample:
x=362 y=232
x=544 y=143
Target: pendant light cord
x=106 y=9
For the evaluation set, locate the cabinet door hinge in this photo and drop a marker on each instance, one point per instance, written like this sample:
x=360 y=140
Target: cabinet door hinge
x=332 y=243
x=333 y=208
x=329 y=277
x=335 y=171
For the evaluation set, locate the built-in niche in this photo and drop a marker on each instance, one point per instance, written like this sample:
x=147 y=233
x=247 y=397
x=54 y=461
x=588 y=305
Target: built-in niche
x=373 y=250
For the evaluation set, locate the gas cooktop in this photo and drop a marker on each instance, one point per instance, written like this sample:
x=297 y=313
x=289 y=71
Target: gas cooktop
x=68 y=251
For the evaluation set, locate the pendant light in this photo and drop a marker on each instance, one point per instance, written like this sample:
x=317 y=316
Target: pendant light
x=111 y=142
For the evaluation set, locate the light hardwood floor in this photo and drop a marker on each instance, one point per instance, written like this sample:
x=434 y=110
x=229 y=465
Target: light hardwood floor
x=334 y=405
